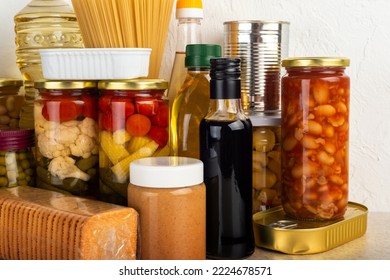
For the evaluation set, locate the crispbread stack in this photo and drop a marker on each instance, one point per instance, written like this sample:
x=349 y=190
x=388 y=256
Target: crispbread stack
x=45 y=225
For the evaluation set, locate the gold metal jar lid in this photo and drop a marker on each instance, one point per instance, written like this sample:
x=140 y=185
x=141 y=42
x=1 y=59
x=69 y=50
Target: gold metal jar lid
x=9 y=82
x=134 y=84
x=64 y=84
x=315 y=61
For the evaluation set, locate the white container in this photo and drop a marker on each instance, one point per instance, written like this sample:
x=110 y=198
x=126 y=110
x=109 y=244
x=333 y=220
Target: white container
x=95 y=63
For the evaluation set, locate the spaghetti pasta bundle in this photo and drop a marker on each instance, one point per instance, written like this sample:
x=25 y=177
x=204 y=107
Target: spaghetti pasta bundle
x=126 y=24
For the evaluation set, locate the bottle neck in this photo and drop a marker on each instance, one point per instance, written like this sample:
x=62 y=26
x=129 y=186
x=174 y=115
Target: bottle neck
x=198 y=69
x=225 y=110
x=188 y=32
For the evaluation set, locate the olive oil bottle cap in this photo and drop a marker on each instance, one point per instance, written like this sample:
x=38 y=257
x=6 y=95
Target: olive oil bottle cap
x=199 y=55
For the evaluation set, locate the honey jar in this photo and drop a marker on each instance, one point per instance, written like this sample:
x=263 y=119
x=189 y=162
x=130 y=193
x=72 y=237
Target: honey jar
x=315 y=137
x=170 y=197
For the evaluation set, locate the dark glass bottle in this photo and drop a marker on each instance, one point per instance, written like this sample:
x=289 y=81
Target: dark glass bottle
x=226 y=152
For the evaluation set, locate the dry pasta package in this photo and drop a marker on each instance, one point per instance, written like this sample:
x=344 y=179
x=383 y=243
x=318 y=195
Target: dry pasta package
x=266 y=180
x=37 y=224
x=126 y=24
x=315 y=137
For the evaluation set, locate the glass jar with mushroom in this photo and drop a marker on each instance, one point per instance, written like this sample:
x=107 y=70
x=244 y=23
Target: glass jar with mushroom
x=315 y=136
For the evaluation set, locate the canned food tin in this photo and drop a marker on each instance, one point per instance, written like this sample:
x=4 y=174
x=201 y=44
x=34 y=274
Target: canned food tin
x=66 y=132
x=276 y=231
x=266 y=192
x=261 y=45
x=315 y=137
x=133 y=124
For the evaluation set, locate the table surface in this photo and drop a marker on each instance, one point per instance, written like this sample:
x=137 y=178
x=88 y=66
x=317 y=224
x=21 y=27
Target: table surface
x=373 y=245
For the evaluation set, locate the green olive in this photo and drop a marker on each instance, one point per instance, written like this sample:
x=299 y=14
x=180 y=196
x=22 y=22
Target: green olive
x=3 y=170
x=3 y=181
x=25 y=164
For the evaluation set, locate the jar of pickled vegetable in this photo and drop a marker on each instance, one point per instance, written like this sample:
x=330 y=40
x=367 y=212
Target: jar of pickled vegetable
x=17 y=163
x=266 y=180
x=315 y=136
x=133 y=122
x=11 y=102
x=66 y=130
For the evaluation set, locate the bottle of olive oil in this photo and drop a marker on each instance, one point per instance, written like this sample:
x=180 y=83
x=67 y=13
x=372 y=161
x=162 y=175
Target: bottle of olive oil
x=226 y=152
x=192 y=101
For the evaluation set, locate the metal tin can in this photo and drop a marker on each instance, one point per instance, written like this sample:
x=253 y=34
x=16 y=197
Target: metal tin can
x=261 y=45
x=133 y=124
x=66 y=131
x=315 y=137
x=171 y=201
x=17 y=162
x=266 y=162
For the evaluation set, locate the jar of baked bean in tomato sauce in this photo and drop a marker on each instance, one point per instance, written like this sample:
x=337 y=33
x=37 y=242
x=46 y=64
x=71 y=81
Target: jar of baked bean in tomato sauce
x=133 y=124
x=315 y=136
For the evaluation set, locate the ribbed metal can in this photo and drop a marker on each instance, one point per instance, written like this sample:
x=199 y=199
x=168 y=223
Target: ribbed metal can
x=261 y=45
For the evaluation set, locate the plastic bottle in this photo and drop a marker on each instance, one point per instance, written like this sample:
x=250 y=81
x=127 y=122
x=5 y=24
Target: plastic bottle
x=192 y=101
x=226 y=152
x=41 y=24
x=189 y=14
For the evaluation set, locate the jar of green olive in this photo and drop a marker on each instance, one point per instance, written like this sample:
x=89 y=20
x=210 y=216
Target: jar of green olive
x=266 y=173
x=17 y=163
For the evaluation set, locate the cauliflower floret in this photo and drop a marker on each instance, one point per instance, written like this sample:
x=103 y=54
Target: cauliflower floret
x=84 y=146
x=50 y=148
x=89 y=127
x=66 y=135
x=64 y=167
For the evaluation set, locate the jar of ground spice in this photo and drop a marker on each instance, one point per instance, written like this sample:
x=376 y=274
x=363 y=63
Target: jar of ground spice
x=169 y=194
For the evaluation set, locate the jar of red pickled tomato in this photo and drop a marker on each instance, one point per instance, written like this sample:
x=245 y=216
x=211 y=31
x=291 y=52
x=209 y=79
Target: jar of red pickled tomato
x=133 y=123
x=66 y=132
x=315 y=136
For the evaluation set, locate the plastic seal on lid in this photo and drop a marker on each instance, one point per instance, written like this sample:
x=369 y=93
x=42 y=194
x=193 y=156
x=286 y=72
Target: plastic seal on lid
x=189 y=9
x=166 y=172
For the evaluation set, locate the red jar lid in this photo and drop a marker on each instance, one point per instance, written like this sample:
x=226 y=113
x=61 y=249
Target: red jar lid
x=15 y=139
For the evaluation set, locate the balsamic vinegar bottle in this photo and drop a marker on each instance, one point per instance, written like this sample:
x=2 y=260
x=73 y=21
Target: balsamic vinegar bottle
x=226 y=152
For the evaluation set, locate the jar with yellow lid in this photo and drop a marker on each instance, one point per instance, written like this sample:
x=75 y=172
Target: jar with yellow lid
x=170 y=196
x=315 y=137
x=66 y=130
x=133 y=123
x=10 y=102
x=266 y=176
x=17 y=163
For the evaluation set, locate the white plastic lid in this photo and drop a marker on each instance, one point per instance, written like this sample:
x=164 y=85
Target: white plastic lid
x=166 y=172
x=189 y=13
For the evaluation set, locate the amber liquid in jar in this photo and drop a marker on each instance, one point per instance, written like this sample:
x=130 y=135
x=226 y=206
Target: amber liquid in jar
x=315 y=136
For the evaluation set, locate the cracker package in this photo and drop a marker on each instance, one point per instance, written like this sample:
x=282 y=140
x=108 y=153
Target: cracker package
x=43 y=225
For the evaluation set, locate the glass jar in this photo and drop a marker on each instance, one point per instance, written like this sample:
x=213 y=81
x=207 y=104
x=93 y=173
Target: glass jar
x=171 y=201
x=266 y=162
x=133 y=123
x=66 y=130
x=315 y=137
x=10 y=102
x=17 y=161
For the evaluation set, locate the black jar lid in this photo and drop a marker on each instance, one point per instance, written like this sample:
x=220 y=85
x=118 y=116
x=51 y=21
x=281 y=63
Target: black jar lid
x=15 y=139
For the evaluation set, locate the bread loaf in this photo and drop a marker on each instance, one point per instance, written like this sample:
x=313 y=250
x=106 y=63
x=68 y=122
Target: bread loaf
x=45 y=225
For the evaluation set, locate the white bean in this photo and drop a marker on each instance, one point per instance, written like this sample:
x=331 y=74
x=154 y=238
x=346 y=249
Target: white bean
x=324 y=158
x=321 y=94
x=325 y=110
x=314 y=127
x=309 y=142
x=289 y=143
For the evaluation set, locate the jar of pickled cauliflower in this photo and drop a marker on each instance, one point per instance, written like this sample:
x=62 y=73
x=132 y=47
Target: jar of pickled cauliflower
x=66 y=131
x=133 y=123
x=315 y=136
x=266 y=182
x=170 y=196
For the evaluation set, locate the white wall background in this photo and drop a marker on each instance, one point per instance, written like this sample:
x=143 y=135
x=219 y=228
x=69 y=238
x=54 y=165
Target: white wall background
x=358 y=29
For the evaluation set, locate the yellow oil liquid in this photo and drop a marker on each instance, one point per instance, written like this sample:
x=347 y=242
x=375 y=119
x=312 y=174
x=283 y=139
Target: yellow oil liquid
x=41 y=25
x=177 y=77
x=189 y=107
